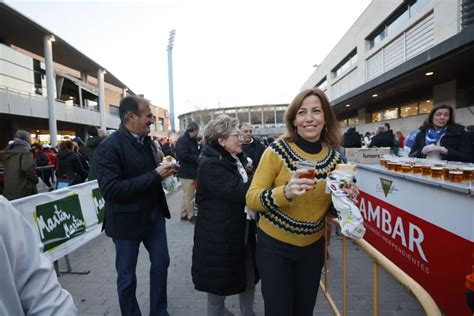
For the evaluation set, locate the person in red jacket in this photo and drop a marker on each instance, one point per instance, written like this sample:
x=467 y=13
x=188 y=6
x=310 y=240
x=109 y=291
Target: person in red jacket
x=52 y=160
x=401 y=139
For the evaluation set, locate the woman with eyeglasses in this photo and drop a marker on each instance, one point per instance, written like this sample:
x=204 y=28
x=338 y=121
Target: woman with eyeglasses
x=222 y=262
x=292 y=205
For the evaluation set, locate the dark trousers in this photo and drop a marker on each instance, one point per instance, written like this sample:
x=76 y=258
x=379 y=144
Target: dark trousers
x=290 y=275
x=45 y=175
x=126 y=263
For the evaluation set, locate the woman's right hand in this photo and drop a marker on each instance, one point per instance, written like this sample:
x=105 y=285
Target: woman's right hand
x=298 y=186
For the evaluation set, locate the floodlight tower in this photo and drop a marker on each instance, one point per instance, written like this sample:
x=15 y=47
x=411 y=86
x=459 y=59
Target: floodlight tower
x=170 y=77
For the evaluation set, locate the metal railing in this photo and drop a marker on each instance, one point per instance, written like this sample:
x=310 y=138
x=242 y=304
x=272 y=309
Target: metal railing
x=423 y=297
x=43 y=173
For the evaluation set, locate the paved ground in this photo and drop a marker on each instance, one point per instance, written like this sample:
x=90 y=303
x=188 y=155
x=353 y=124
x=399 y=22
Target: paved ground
x=95 y=293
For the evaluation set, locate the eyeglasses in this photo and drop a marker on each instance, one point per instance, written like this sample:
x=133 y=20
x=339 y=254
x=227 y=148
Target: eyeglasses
x=238 y=135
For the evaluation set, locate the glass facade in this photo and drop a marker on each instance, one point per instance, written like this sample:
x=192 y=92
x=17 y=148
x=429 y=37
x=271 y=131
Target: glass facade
x=243 y=115
x=256 y=116
x=390 y=114
x=376 y=117
x=425 y=106
x=269 y=117
x=405 y=110
x=114 y=110
x=21 y=73
x=345 y=64
x=409 y=110
x=280 y=113
x=394 y=24
x=323 y=84
x=353 y=121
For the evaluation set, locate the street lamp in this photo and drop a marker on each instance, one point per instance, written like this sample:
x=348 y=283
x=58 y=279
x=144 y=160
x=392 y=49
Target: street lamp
x=170 y=76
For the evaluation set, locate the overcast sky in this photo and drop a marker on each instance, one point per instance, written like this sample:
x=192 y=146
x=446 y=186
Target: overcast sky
x=226 y=53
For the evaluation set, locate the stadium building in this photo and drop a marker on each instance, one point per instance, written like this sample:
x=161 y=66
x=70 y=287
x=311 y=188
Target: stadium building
x=81 y=92
x=398 y=60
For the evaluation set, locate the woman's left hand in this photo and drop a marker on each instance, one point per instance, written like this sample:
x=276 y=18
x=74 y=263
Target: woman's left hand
x=352 y=192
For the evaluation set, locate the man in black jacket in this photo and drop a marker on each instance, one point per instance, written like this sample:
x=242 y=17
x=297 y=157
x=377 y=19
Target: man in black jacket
x=384 y=137
x=129 y=177
x=251 y=147
x=89 y=149
x=187 y=153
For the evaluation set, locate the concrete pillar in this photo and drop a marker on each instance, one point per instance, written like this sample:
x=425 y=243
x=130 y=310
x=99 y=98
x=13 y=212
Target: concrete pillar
x=81 y=102
x=100 y=81
x=445 y=93
x=361 y=115
x=50 y=88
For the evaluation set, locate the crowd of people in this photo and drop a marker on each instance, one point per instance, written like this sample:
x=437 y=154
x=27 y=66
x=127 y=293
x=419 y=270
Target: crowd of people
x=25 y=163
x=439 y=137
x=257 y=217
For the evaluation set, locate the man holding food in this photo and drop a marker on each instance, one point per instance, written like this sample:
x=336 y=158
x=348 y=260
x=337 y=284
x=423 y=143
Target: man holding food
x=129 y=174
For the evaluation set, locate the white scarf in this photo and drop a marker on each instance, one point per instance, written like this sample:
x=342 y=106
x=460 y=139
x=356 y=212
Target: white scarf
x=245 y=178
x=241 y=169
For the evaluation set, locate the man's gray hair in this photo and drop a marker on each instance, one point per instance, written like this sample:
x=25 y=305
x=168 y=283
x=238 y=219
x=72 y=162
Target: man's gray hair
x=24 y=135
x=192 y=126
x=220 y=127
x=242 y=124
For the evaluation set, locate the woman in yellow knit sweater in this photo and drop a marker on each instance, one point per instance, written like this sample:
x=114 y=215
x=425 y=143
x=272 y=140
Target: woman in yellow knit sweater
x=290 y=243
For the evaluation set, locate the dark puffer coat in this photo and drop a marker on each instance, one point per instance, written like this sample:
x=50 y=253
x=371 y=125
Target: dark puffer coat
x=218 y=263
x=351 y=139
x=187 y=153
x=131 y=188
x=385 y=139
x=89 y=150
x=70 y=167
x=455 y=140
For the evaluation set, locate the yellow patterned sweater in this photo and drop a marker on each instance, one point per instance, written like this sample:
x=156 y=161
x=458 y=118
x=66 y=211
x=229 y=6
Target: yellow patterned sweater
x=299 y=222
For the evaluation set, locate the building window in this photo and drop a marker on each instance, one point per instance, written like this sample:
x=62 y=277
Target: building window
x=390 y=114
x=256 y=116
x=425 y=106
x=409 y=110
x=243 y=116
x=114 y=110
x=231 y=113
x=269 y=117
x=353 y=121
x=396 y=21
x=377 y=117
x=346 y=63
x=417 y=6
x=343 y=123
x=280 y=113
x=322 y=84
x=160 y=126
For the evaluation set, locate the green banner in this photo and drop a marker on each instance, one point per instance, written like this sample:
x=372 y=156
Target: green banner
x=99 y=203
x=59 y=221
